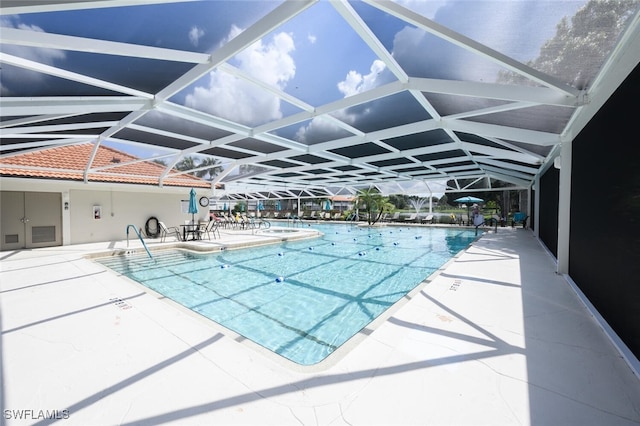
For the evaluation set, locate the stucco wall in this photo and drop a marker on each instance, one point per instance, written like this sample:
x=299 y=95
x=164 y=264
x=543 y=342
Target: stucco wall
x=121 y=205
x=120 y=209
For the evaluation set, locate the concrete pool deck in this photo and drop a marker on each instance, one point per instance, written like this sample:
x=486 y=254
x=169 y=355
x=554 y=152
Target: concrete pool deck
x=496 y=338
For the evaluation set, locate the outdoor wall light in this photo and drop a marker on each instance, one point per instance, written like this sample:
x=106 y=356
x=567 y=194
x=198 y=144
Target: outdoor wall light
x=66 y=205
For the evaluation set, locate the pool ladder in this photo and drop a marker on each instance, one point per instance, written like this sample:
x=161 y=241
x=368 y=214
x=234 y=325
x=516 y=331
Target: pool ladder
x=140 y=237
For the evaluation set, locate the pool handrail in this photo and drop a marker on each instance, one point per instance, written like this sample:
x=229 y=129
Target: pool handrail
x=292 y=220
x=491 y=221
x=140 y=237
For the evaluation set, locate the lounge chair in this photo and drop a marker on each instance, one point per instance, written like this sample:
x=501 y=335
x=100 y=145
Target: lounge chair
x=164 y=231
x=427 y=219
x=411 y=217
x=394 y=218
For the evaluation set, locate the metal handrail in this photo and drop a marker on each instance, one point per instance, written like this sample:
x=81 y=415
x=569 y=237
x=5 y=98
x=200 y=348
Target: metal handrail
x=490 y=220
x=292 y=220
x=255 y=223
x=140 y=237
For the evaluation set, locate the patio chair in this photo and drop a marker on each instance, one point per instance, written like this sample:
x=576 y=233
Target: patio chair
x=230 y=221
x=208 y=228
x=519 y=218
x=164 y=231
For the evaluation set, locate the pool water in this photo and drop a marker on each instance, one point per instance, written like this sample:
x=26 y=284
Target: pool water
x=300 y=299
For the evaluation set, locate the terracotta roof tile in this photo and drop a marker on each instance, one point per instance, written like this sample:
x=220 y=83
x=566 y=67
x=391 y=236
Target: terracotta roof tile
x=69 y=163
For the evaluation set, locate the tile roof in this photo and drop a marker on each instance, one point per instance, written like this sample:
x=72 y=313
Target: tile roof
x=69 y=163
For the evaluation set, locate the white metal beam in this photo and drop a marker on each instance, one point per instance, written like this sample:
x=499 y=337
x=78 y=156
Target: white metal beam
x=68 y=75
x=39 y=6
x=35 y=106
x=365 y=33
x=513 y=93
x=41 y=39
x=533 y=137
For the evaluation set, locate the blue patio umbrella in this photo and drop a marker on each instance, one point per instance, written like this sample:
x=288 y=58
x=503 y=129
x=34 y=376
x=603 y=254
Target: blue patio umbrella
x=327 y=205
x=468 y=200
x=193 y=205
x=224 y=207
x=278 y=206
x=260 y=206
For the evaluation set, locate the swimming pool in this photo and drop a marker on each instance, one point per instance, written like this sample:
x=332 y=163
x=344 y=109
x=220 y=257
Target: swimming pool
x=300 y=299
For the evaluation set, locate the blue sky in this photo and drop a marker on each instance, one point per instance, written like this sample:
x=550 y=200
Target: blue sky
x=315 y=57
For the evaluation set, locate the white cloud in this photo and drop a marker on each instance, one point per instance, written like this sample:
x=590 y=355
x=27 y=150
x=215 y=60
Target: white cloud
x=235 y=99
x=230 y=97
x=195 y=35
x=312 y=39
x=17 y=77
x=355 y=83
x=315 y=127
x=41 y=55
x=272 y=62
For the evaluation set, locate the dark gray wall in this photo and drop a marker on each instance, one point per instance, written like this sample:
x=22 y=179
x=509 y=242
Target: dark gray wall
x=604 y=256
x=549 y=192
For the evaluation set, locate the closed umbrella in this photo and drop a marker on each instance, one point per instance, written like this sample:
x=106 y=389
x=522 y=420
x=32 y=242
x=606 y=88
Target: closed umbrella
x=327 y=205
x=278 y=206
x=193 y=205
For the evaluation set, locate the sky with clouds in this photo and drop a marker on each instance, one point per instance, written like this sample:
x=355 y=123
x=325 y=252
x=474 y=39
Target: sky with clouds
x=315 y=57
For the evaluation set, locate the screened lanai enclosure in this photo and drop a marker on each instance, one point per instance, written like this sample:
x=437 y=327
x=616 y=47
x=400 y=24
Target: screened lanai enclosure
x=449 y=96
x=327 y=97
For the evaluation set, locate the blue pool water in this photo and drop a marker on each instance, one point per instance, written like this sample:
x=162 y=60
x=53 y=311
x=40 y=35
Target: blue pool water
x=300 y=299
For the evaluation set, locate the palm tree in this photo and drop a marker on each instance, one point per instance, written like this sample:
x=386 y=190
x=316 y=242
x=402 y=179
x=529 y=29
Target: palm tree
x=208 y=166
x=187 y=163
x=212 y=171
x=372 y=202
